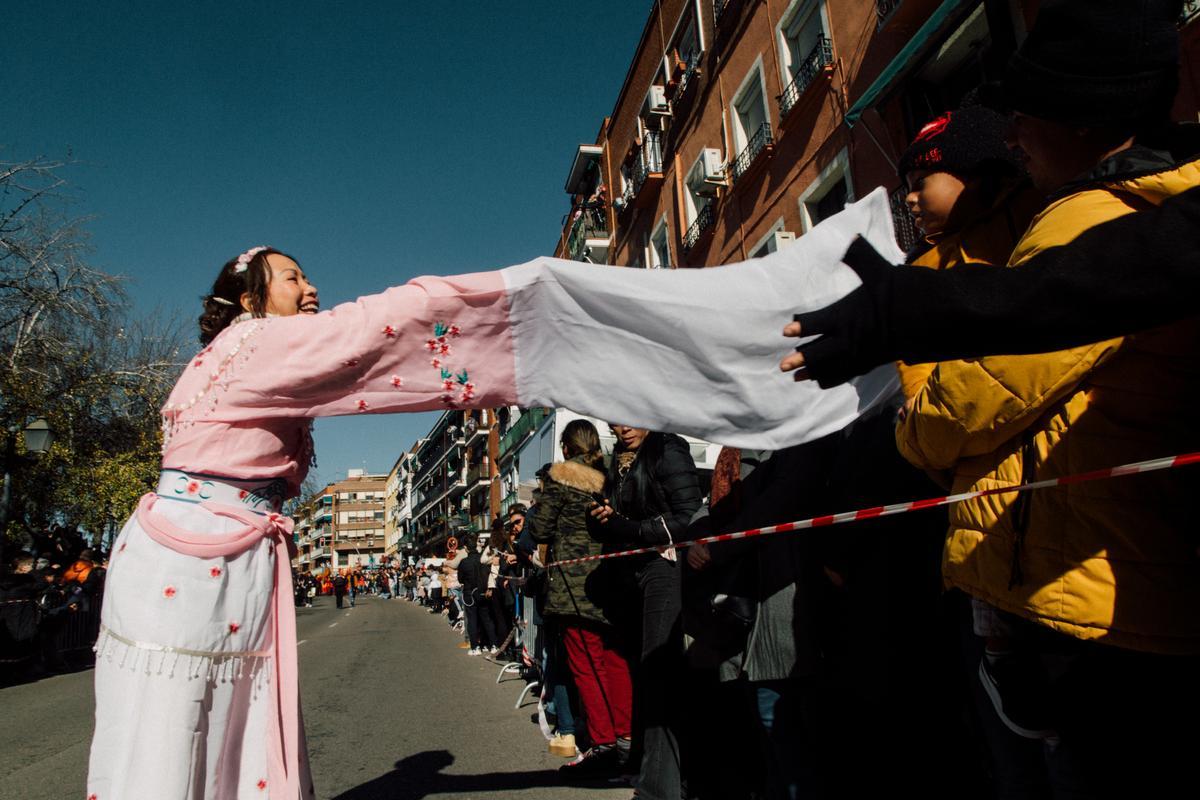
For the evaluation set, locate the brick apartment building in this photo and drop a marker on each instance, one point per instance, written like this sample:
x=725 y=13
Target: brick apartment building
x=343 y=525
x=743 y=123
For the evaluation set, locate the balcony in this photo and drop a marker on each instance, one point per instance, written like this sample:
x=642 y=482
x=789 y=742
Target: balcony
x=706 y=219
x=510 y=500
x=884 y=10
x=529 y=422
x=441 y=490
x=432 y=457
x=320 y=552
x=760 y=143
x=646 y=171
x=689 y=70
x=906 y=233
x=478 y=476
x=589 y=232
x=479 y=431
x=817 y=62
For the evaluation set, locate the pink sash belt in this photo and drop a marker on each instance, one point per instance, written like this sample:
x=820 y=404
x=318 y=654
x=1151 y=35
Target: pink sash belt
x=284 y=765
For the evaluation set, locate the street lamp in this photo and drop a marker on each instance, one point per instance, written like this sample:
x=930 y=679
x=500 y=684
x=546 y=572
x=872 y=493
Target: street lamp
x=38 y=437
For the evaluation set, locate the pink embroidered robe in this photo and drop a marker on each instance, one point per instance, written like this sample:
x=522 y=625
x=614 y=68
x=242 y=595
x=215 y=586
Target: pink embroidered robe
x=690 y=351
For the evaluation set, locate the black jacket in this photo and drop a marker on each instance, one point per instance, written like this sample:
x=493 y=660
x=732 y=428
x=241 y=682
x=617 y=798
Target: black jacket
x=658 y=495
x=472 y=573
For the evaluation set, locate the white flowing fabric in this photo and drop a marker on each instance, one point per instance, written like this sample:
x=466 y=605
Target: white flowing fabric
x=713 y=375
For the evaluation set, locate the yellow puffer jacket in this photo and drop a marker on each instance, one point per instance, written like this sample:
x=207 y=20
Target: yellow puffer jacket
x=1112 y=560
x=989 y=238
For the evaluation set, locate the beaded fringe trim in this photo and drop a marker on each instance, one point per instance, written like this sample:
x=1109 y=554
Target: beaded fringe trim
x=170 y=662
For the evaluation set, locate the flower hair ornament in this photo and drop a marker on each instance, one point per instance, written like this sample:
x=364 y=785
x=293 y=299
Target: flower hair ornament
x=243 y=261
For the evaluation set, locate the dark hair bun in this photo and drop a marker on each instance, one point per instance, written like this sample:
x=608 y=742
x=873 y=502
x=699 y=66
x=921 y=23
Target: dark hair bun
x=217 y=317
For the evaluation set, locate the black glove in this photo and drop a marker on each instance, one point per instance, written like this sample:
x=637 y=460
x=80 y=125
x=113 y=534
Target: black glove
x=854 y=330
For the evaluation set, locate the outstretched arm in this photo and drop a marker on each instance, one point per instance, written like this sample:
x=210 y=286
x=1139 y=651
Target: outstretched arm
x=1122 y=276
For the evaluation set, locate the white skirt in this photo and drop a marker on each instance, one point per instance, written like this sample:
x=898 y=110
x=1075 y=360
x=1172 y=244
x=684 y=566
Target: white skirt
x=183 y=670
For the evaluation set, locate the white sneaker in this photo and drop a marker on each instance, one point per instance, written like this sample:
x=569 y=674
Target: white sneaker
x=494 y=650
x=474 y=651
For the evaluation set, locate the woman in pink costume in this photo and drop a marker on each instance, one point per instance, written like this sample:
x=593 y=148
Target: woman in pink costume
x=196 y=693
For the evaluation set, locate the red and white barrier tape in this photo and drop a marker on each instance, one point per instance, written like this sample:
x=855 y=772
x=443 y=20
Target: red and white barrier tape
x=1154 y=465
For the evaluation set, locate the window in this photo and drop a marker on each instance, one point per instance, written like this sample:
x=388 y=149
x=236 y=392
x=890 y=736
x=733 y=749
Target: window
x=800 y=32
x=658 y=253
x=828 y=194
x=774 y=239
x=749 y=110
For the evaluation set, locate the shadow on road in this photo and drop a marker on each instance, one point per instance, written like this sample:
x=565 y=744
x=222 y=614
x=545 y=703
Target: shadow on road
x=420 y=776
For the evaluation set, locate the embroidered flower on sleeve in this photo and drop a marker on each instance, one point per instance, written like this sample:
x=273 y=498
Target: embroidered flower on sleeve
x=168 y=592
x=262 y=785
x=389 y=331
x=431 y=345
x=454 y=331
x=234 y=627
x=243 y=494
x=447 y=385
x=397 y=381
x=215 y=572
x=444 y=349
x=436 y=363
x=193 y=487
x=363 y=405
x=93 y=796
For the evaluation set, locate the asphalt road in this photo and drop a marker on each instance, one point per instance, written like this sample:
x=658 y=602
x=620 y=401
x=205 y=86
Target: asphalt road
x=394 y=711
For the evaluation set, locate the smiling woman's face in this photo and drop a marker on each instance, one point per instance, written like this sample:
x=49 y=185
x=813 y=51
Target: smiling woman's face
x=288 y=291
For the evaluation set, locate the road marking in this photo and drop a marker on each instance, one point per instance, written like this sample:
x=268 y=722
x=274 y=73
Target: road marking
x=332 y=624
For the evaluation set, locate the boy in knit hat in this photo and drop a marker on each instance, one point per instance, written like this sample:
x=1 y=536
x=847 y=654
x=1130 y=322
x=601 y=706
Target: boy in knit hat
x=967 y=195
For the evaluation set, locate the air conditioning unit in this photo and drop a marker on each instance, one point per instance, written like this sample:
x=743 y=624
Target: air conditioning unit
x=656 y=102
x=712 y=172
x=783 y=239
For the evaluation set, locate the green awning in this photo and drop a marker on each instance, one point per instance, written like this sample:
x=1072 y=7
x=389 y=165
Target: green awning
x=901 y=61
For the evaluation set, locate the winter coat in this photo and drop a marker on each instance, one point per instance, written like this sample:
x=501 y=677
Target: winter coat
x=473 y=574
x=561 y=523
x=988 y=238
x=1111 y=560
x=655 y=500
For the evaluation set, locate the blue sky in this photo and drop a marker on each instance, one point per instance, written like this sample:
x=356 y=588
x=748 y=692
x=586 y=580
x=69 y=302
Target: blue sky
x=374 y=141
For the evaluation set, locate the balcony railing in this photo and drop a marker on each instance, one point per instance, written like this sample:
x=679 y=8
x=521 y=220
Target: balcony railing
x=690 y=72
x=648 y=162
x=884 y=10
x=706 y=217
x=808 y=70
x=906 y=232
x=477 y=473
x=527 y=424
x=589 y=223
x=759 y=142
x=432 y=457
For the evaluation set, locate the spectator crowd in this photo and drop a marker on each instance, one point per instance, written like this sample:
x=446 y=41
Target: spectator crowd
x=1035 y=644
x=50 y=593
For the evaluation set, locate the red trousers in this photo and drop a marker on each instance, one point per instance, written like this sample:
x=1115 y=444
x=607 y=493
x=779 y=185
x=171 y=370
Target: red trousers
x=602 y=679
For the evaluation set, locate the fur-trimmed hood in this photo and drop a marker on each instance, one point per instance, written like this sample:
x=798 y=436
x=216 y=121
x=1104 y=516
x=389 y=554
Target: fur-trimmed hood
x=577 y=476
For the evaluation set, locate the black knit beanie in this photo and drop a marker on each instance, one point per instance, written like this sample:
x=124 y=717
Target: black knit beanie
x=961 y=141
x=1097 y=62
